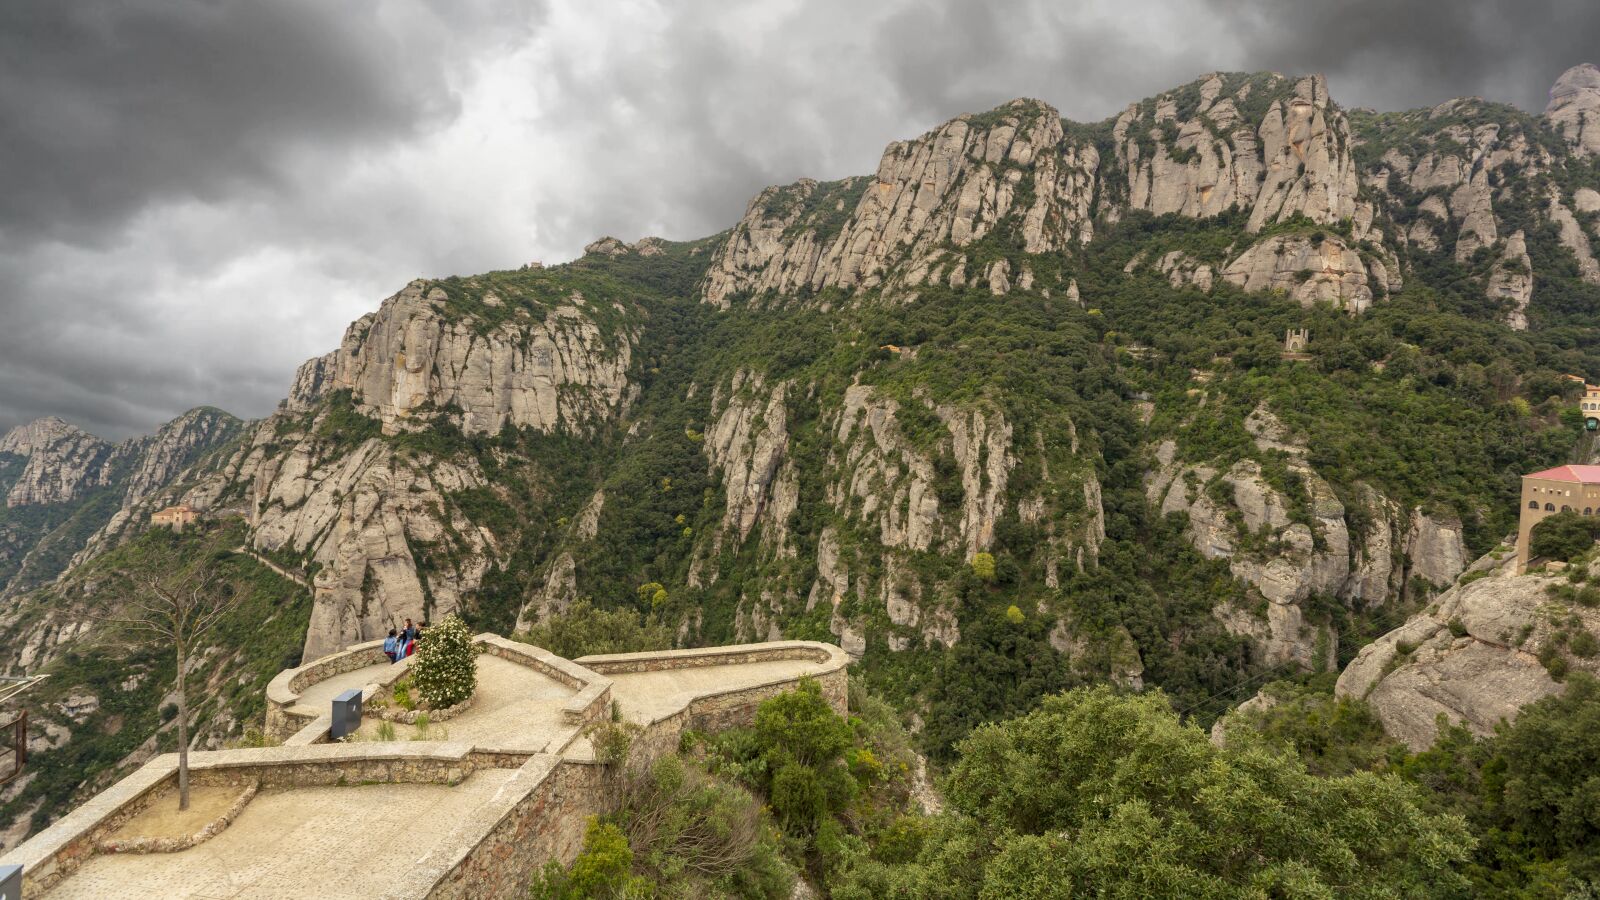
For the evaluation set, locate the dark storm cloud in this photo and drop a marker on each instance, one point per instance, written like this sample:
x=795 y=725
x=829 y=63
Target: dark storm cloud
x=116 y=113
x=1400 y=54
x=196 y=195
x=108 y=104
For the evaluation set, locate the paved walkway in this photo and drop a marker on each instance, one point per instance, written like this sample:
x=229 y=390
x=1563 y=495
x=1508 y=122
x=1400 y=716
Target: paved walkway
x=324 y=842
x=513 y=707
x=645 y=696
x=319 y=697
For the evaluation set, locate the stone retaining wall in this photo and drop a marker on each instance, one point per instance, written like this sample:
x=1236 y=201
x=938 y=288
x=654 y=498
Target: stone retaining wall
x=730 y=708
x=144 y=844
x=283 y=691
x=539 y=815
x=592 y=703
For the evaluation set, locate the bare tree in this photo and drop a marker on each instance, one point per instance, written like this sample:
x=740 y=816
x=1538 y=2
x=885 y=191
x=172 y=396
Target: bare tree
x=176 y=610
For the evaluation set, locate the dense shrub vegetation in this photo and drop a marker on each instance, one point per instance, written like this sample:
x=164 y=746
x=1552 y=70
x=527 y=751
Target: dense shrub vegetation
x=1563 y=536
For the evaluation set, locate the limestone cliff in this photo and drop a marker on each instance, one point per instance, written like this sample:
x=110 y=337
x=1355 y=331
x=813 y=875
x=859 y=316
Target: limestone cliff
x=74 y=495
x=1296 y=538
x=1310 y=269
x=1204 y=149
x=1574 y=108
x=63 y=462
x=1461 y=171
x=546 y=368
x=907 y=225
x=1476 y=655
x=359 y=519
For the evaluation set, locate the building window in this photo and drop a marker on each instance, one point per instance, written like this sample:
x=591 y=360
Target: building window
x=1566 y=508
x=1533 y=504
x=1549 y=507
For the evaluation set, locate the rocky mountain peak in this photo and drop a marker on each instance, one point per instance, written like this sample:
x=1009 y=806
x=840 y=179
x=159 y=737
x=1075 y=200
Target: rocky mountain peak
x=63 y=462
x=1574 y=108
x=931 y=198
x=545 y=365
x=23 y=440
x=174 y=446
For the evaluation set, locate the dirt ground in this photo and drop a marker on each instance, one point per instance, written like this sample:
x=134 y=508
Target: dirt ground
x=163 y=820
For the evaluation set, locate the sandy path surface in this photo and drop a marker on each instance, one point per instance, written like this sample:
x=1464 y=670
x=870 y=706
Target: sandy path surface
x=163 y=819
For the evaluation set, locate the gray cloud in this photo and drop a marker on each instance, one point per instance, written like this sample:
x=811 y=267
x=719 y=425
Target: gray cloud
x=1401 y=54
x=199 y=194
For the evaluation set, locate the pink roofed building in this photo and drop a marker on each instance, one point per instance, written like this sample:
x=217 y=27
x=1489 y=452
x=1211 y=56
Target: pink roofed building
x=1562 y=489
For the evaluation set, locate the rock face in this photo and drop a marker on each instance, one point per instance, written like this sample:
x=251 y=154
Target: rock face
x=951 y=186
x=1284 y=559
x=360 y=517
x=1471 y=657
x=934 y=197
x=412 y=357
x=1571 y=232
x=1295 y=160
x=174 y=447
x=1289 y=548
x=1574 y=108
x=1512 y=281
x=747 y=443
x=1308 y=269
x=62 y=462
x=1466 y=168
x=1436 y=547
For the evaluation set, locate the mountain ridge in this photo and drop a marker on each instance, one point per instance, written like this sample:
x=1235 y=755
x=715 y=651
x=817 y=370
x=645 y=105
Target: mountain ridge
x=1012 y=413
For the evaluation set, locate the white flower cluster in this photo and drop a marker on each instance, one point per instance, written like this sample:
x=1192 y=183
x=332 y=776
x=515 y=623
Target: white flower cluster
x=445 y=670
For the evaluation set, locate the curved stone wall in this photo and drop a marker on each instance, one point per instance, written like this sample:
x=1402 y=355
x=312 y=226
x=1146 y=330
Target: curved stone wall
x=537 y=816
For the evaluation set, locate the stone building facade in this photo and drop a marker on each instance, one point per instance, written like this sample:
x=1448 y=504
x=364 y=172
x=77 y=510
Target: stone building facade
x=1562 y=489
x=175 y=517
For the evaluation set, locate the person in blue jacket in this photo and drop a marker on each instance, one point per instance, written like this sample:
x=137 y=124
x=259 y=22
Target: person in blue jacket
x=391 y=645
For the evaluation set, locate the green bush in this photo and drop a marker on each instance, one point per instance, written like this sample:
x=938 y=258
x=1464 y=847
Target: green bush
x=1583 y=645
x=602 y=871
x=1563 y=536
x=799 y=798
x=1097 y=794
x=445 y=670
x=585 y=629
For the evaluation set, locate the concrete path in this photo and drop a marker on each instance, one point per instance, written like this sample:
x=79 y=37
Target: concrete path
x=318 y=697
x=514 y=707
x=324 y=842
x=646 y=696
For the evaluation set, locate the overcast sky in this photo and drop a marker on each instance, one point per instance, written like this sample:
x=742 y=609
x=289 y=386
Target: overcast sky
x=196 y=195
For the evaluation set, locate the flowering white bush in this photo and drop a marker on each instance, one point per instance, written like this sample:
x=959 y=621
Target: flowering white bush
x=445 y=671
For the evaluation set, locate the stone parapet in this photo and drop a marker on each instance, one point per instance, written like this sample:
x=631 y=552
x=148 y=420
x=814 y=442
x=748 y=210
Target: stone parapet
x=591 y=704
x=284 y=690
x=57 y=851
x=661 y=660
x=731 y=707
x=538 y=816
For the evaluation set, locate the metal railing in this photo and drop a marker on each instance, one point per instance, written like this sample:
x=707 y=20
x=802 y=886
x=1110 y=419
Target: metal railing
x=14 y=726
